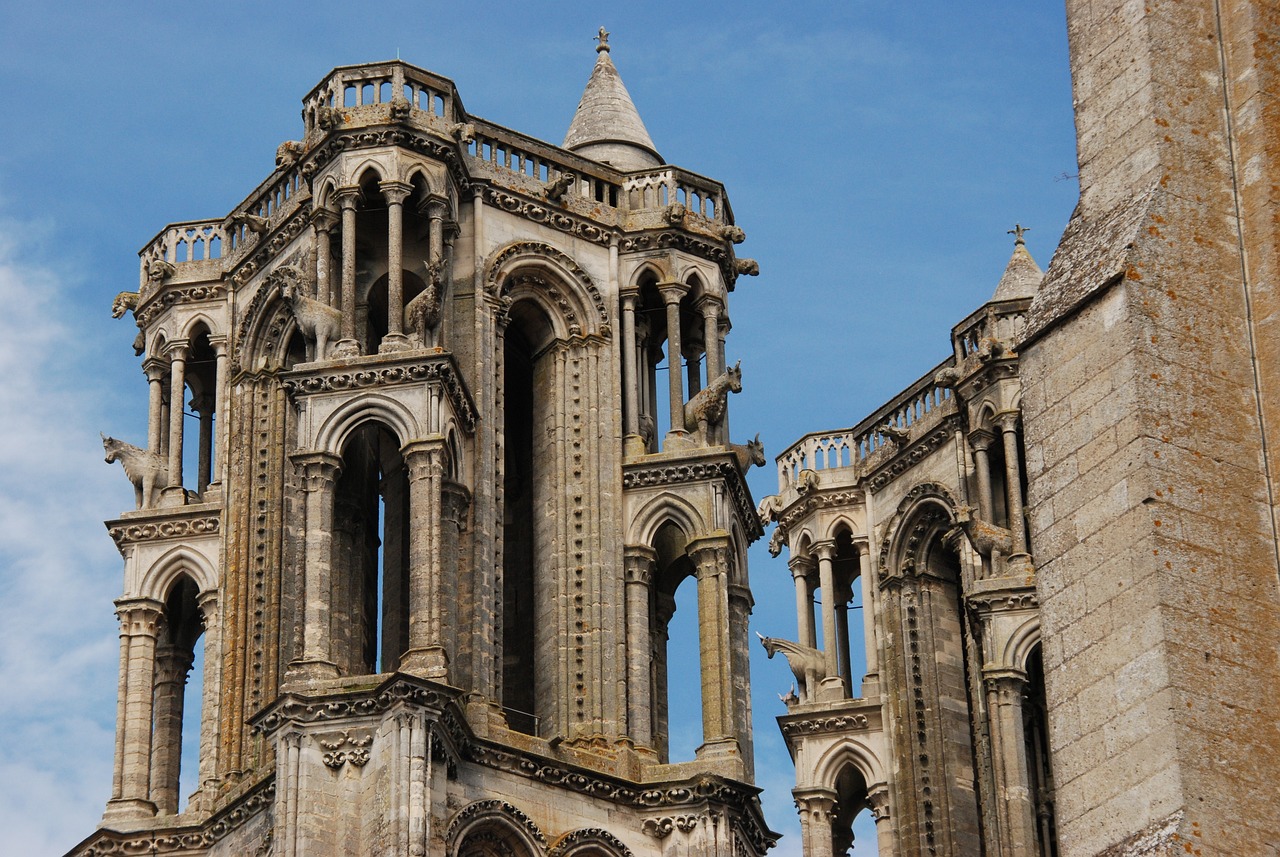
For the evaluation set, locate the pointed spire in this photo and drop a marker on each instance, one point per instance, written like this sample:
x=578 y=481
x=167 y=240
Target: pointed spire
x=606 y=126
x=1022 y=275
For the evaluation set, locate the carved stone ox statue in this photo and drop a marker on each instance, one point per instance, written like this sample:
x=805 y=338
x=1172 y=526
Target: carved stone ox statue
x=148 y=472
x=320 y=323
x=807 y=664
x=707 y=408
x=748 y=454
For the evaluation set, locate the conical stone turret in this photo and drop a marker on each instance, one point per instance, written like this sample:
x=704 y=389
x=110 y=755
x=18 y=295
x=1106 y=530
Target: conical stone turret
x=1022 y=275
x=606 y=126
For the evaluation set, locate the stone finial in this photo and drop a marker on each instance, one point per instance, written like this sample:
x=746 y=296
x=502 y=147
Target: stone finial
x=603 y=39
x=1017 y=232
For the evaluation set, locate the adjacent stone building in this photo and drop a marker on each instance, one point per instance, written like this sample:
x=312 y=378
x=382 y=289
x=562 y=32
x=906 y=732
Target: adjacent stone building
x=1063 y=539
x=440 y=501
x=441 y=497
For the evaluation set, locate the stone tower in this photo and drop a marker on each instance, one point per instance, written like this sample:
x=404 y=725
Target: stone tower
x=431 y=529
x=1063 y=540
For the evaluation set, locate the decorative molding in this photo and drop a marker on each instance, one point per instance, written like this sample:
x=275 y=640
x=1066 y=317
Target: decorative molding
x=1004 y=600
x=913 y=454
x=428 y=369
x=123 y=533
x=335 y=753
x=661 y=828
x=726 y=468
x=493 y=267
x=109 y=843
x=713 y=251
x=820 y=725
x=586 y=837
x=498 y=808
x=175 y=296
x=264 y=251
x=923 y=491
x=532 y=210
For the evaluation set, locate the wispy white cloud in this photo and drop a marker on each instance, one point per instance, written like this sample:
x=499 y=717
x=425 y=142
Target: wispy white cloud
x=58 y=570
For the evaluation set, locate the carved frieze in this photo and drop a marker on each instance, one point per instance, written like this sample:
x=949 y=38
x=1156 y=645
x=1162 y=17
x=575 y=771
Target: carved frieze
x=532 y=210
x=350 y=745
x=482 y=808
x=173 y=297
x=820 y=725
x=109 y=843
x=912 y=455
x=701 y=471
x=264 y=251
x=123 y=533
x=431 y=369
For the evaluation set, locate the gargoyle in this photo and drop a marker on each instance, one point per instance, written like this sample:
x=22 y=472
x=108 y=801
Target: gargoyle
x=148 y=471
x=806 y=481
x=790 y=699
x=675 y=212
x=947 y=377
x=158 y=270
x=288 y=153
x=255 y=224
x=128 y=302
x=991 y=348
x=320 y=323
x=463 y=132
x=707 y=408
x=807 y=664
x=733 y=234
x=894 y=433
x=400 y=108
x=328 y=117
x=555 y=190
x=769 y=509
x=747 y=267
x=748 y=454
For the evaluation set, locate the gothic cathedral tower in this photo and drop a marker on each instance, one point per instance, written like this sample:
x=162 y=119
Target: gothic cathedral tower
x=431 y=529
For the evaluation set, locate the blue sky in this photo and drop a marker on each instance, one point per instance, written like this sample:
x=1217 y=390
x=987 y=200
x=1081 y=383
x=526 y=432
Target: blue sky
x=875 y=153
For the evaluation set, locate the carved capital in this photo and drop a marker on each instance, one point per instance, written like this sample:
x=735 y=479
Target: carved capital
x=155 y=369
x=638 y=562
x=348 y=196
x=801 y=566
x=324 y=219
x=178 y=349
x=815 y=803
x=320 y=470
x=394 y=192
x=673 y=292
x=981 y=439
x=710 y=555
x=878 y=801
x=1006 y=682
x=455 y=502
x=710 y=306
x=218 y=342
x=139 y=617
x=424 y=459
x=435 y=207
x=825 y=549
x=1008 y=421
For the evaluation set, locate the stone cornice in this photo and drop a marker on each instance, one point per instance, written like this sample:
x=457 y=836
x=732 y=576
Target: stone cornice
x=185 y=840
x=539 y=212
x=913 y=453
x=362 y=373
x=645 y=474
x=163 y=526
x=174 y=295
x=709 y=249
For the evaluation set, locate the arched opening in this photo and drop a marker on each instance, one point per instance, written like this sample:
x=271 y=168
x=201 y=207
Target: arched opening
x=493 y=840
x=371 y=259
x=526 y=537
x=369 y=616
x=651 y=333
x=376 y=304
x=201 y=380
x=176 y=708
x=1035 y=733
x=674 y=624
x=849 y=613
x=853 y=827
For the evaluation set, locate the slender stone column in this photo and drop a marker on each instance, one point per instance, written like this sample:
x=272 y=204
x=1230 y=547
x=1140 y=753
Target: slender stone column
x=980 y=440
x=220 y=407
x=671 y=295
x=802 y=573
x=638 y=562
x=710 y=557
x=320 y=475
x=141 y=620
x=842 y=643
x=816 y=807
x=426 y=655
x=347 y=198
x=1016 y=809
x=868 y=612
x=710 y=307
x=324 y=220
x=395 y=194
x=832 y=682
x=172 y=666
x=178 y=350
x=1008 y=422
x=155 y=370
x=210 y=700
x=630 y=372
x=203 y=406
x=878 y=799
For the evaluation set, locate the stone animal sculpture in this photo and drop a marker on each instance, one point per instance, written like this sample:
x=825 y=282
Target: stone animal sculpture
x=806 y=481
x=791 y=698
x=707 y=407
x=769 y=509
x=147 y=471
x=329 y=117
x=894 y=433
x=733 y=234
x=320 y=323
x=991 y=348
x=422 y=314
x=948 y=377
x=399 y=109
x=255 y=224
x=463 y=132
x=747 y=267
x=288 y=153
x=748 y=454
x=987 y=538
x=807 y=664
x=556 y=190
x=128 y=302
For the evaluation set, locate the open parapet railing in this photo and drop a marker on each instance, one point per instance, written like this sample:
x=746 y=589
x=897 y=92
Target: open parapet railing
x=850 y=448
